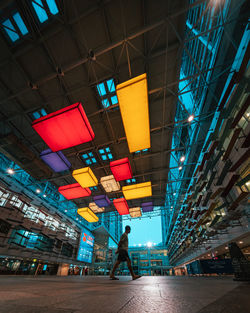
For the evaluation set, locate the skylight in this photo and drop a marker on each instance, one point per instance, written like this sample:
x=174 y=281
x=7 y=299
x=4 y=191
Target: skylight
x=94 y=188
x=37 y=114
x=15 y=27
x=106 y=91
x=130 y=181
x=89 y=158
x=140 y=151
x=44 y=9
x=106 y=154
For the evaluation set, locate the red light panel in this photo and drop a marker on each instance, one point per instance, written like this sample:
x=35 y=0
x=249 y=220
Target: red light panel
x=74 y=191
x=121 y=206
x=65 y=128
x=121 y=169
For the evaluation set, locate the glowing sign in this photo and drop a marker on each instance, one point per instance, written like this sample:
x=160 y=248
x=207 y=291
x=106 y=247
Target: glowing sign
x=86 y=244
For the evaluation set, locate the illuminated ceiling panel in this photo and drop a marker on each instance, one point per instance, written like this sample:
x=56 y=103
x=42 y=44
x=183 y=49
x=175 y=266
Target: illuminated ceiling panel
x=55 y=160
x=74 y=191
x=133 y=101
x=85 y=177
x=95 y=208
x=64 y=128
x=121 y=206
x=121 y=169
x=102 y=200
x=137 y=191
x=88 y=215
x=135 y=212
x=109 y=183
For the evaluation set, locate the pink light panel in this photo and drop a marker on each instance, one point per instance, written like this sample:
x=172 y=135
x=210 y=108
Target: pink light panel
x=65 y=128
x=121 y=169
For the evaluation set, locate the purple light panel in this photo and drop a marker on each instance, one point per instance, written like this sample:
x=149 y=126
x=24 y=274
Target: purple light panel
x=147 y=207
x=101 y=201
x=55 y=160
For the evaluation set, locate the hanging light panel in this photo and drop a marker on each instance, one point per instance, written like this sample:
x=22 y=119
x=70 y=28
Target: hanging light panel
x=85 y=177
x=135 y=212
x=147 y=207
x=121 y=206
x=57 y=161
x=121 y=169
x=109 y=183
x=133 y=101
x=137 y=191
x=88 y=215
x=95 y=208
x=74 y=191
x=102 y=200
x=64 y=128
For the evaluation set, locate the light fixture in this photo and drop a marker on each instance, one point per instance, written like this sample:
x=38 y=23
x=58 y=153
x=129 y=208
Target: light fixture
x=180 y=168
x=133 y=101
x=135 y=212
x=74 y=191
x=147 y=207
x=64 y=128
x=85 y=177
x=10 y=171
x=240 y=242
x=95 y=208
x=190 y=118
x=102 y=200
x=174 y=193
x=44 y=196
x=109 y=183
x=182 y=159
x=121 y=206
x=137 y=191
x=171 y=207
x=38 y=191
x=88 y=215
x=149 y=244
x=121 y=169
x=55 y=160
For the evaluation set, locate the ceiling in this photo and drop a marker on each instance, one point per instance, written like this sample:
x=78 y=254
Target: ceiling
x=59 y=62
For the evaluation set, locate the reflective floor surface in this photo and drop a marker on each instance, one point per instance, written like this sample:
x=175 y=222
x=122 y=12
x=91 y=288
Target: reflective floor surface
x=98 y=294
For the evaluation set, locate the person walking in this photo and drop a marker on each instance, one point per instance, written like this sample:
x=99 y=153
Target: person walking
x=123 y=256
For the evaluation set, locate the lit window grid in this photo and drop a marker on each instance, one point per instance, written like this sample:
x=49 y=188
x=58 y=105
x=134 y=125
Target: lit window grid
x=89 y=158
x=15 y=27
x=44 y=9
x=37 y=114
x=106 y=154
x=107 y=94
x=131 y=181
x=141 y=151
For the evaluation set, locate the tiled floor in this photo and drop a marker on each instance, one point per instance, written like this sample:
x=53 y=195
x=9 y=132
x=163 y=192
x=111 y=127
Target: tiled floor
x=100 y=295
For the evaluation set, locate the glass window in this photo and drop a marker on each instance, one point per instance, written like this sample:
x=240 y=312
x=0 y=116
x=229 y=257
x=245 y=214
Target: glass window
x=10 y=30
x=44 y=8
x=89 y=158
x=19 y=21
x=106 y=92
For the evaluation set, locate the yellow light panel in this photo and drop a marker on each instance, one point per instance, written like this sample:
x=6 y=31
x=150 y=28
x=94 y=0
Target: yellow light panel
x=137 y=191
x=95 y=208
x=85 y=177
x=135 y=212
x=109 y=183
x=88 y=215
x=133 y=101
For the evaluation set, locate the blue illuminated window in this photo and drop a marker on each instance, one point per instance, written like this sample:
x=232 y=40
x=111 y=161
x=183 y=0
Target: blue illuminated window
x=44 y=9
x=131 y=181
x=141 y=151
x=106 y=154
x=15 y=27
x=94 y=188
x=89 y=158
x=37 y=114
x=106 y=92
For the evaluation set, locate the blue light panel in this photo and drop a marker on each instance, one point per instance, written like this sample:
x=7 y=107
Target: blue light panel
x=10 y=30
x=40 y=11
x=20 y=23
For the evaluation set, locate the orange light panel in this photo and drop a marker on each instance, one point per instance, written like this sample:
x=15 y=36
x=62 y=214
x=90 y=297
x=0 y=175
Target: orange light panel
x=137 y=191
